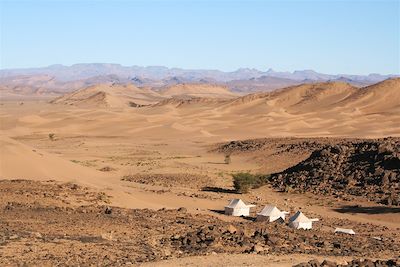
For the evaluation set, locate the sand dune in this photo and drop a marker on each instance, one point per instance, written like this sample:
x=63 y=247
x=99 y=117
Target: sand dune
x=381 y=97
x=120 y=96
x=323 y=109
x=109 y=95
x=302 y=97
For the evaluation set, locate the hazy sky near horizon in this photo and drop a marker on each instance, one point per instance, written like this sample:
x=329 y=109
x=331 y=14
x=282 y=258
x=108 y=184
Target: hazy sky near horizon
x=353 y=37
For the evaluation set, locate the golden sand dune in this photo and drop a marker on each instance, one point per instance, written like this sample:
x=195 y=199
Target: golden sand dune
x=302 y=96
x=119 y=96
x=310 y=97
x=381 y=97
x=323 y=109
x=322 y=97
x=109 y=95
x=327 y=109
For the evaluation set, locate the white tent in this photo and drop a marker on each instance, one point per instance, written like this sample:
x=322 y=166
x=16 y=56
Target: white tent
x=237 y=208
x=345 y=231
x=271 y=213
x=300 y=221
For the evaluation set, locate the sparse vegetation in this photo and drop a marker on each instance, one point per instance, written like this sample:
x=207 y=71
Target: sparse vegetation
x=107 y=169
x=244 y=181
x=52 y=136
x=103 y=197
x=86 y=163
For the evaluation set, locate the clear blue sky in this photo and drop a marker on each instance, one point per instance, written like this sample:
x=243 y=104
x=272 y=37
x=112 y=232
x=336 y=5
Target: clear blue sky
x=354 y=37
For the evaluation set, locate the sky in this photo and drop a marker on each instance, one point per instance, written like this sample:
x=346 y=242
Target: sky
x=352 y=37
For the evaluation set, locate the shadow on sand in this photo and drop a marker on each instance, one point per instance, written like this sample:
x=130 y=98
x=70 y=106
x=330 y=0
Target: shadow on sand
x=218 y=190
x=249 y=218
x=368 y=210
x=219 y=163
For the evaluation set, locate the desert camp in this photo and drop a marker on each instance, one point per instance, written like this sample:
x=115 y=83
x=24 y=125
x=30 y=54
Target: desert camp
x=200 y=133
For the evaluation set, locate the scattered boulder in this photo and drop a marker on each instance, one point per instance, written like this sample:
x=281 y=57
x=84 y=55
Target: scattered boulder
x=182 y=209
x=108 y=210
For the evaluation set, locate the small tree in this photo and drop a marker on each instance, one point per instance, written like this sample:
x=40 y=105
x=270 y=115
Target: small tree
x=243 y=182
x=227 y=159
x=52 y=136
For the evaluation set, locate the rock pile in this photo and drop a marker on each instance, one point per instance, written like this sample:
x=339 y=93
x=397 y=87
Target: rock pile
x=370 y=169
x=280 y=145
x=271 y=238
x=243 y=145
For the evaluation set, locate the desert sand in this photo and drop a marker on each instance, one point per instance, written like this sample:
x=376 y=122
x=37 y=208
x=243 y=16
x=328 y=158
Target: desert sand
x=166 y=141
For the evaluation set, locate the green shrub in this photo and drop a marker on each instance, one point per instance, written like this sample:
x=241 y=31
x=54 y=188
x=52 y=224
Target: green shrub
x=243 y=182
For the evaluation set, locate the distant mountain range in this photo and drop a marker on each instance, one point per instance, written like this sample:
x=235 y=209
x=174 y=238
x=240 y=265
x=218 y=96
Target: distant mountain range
x=60 y=78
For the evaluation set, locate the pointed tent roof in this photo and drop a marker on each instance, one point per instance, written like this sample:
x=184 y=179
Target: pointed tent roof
x=345 y=231
x=271 y=211
x=299 y=217
x=238 y=203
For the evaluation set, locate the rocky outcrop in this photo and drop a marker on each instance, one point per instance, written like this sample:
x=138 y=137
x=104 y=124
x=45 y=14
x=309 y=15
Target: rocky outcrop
x=369 y=169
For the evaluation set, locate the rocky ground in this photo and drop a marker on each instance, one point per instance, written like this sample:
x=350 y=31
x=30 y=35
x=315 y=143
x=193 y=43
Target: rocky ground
x=48 y=223
x=353 y=263
x=171 y=180
x=276 y=154
x=340 y=167
x=368 y=169
x=281 y=145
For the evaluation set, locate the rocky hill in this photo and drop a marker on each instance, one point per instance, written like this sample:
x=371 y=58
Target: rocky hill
x=370 y=169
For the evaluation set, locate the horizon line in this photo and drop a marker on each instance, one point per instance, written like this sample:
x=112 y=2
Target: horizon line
x=194 y=69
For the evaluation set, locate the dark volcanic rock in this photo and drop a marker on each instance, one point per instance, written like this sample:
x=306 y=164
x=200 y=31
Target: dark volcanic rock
x=370 y=169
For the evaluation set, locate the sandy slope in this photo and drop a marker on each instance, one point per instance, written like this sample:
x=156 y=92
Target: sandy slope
x=382 y=97
x=21 y=161
x=109 y=95
x=198 y=90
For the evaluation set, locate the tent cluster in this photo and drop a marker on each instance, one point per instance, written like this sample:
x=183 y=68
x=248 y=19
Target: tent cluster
x=269 y=213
